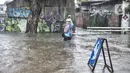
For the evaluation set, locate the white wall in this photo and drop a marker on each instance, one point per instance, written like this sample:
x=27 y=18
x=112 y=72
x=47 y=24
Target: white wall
x=3 y=9
x=125 y=22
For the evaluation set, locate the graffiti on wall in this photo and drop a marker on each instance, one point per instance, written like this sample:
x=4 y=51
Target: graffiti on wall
x=51 y=19
x=13 y=25
x=2 y=24
x=97 y=20
x=104 y=17
x=22 y=12
x=17 y=20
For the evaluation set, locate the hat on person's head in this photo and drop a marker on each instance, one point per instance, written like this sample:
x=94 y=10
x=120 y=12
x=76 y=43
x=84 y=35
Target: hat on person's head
x=68 y=20
x=69 y=15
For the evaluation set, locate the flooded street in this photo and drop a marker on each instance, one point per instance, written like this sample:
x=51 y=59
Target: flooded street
x=48 y=53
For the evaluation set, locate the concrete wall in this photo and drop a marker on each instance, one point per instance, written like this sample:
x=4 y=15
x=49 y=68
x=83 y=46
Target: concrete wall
x=125 y=16
x=49 y=18
x=99 y=16
x=3 y=10
x=66 y=6
x=17 y=20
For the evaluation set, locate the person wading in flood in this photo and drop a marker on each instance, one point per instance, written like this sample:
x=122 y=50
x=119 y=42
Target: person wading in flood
x=72 y=24
x=67 y=30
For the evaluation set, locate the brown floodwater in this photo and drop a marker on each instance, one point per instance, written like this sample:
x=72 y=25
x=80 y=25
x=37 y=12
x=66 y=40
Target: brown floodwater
x=48 y=53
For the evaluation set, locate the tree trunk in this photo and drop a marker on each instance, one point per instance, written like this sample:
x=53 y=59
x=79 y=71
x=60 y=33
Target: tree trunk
x=33 y=18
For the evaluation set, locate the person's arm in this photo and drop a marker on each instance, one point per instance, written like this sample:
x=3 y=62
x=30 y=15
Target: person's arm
x=66 y=28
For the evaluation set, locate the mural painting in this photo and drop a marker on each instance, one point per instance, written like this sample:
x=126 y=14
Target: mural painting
x=22 y=12
x=17 y=20
x=101 y=18
x=13 y=25
x=2 y=24
x=97 y=20
x=51 y=18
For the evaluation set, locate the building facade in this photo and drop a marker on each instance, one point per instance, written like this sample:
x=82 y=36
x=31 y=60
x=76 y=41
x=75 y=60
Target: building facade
x=110 y=13
x=54 y=10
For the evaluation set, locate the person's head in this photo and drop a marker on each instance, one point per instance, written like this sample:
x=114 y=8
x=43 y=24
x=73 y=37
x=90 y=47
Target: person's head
x=69 y=16
x=68 y=21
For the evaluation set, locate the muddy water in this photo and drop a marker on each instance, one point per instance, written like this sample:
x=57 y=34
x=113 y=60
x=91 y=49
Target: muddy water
x=47 y=53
